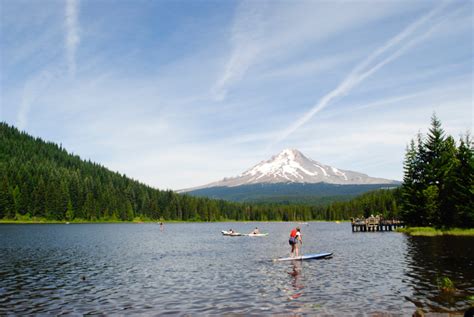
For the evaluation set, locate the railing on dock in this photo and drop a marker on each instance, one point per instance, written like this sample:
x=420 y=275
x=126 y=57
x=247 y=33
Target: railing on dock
x=372 y=224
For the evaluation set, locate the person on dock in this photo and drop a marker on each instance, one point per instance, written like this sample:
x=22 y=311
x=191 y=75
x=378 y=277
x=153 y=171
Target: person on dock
x=295 y=238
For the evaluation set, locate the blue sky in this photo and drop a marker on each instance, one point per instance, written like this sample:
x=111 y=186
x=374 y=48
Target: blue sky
x=182 y=93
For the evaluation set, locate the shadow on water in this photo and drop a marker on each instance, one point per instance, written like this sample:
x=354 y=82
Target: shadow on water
x=432 y=259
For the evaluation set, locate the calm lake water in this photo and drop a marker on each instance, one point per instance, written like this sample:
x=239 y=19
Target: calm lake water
x=191 y=268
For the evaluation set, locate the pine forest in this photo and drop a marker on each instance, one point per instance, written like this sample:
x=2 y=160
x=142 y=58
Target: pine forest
x=41 y=181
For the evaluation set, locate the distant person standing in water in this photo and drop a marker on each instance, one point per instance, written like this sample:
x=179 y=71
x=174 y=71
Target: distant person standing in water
x=162 y=226
x=295 y=238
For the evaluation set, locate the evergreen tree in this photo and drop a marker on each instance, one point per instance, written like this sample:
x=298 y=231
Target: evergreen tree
x=463 y=187
x=6 y=200
x=411 y=190
x=130 y=213
x=69 y=211
x=437 y=187
x=17 y=200
x=39 y=193
x=447 y=184
x=89 y=208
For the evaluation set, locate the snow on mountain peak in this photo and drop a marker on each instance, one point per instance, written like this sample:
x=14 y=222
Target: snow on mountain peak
x=291 y=166
x=287 y=166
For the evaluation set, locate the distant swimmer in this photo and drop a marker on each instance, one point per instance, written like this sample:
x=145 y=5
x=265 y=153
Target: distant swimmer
x=295 y=238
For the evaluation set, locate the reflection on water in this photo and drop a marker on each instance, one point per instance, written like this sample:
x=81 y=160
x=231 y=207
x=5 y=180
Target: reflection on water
x=191 y=268
x=434 y=258
x=295 y=274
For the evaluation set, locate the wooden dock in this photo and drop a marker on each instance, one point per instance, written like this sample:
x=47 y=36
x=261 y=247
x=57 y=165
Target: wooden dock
x=373 y=224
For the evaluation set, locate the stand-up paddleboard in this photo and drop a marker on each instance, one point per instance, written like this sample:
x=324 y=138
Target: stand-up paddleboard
x=305 y=257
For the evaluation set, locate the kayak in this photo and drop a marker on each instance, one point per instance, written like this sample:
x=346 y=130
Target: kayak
x=238 y=234
x=256 y=234
x=232 y=234
x=305 y=257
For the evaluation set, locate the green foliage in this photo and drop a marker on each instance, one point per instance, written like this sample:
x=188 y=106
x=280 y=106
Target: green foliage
x=430 y=231
x=69 y=211
x=438 y=188
x=26 y=217
x=379 y=202
x=445 y=284
x=421 y=231
x=6 y=200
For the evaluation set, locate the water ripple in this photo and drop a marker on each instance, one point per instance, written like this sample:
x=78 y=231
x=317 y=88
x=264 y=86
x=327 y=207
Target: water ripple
x=192 y=269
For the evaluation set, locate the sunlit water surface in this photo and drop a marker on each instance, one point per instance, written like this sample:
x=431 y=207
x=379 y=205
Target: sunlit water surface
x=192 y=269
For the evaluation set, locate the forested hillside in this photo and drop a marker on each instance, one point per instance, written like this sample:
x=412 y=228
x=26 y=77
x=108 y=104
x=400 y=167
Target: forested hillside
x=288 y=193
x=41 y=180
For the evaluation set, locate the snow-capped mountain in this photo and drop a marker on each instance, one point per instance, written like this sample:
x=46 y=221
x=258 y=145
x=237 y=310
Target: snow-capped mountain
x=291 y=166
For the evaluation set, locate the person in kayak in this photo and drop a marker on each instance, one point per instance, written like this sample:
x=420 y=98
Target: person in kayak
x=295 y=238
x=255 y=231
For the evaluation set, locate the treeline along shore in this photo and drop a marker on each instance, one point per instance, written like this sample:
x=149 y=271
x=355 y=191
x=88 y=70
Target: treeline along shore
x=41 y=181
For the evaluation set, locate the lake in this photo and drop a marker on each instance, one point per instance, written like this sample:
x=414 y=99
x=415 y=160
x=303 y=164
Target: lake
x=190 y=268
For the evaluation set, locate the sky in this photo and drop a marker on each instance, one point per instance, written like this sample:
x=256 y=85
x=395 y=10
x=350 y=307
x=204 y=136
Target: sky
x=182 y=93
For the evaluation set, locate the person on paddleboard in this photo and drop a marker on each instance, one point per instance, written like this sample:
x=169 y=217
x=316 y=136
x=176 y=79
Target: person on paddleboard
x=295 y=238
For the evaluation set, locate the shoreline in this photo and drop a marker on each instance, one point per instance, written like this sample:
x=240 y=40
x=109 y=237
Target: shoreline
x=436 y=232
x=44 y=221
x=411 y=231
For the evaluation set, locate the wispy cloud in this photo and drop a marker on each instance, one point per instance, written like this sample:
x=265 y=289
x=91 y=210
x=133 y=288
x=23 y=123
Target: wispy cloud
x=269 y=34
x=246 y=33
x=31 y=92
x=36 y=84
x=369 y=66
x=72 y=33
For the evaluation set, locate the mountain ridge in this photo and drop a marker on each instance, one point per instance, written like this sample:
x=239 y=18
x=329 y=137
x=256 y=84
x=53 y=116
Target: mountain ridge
x=292 y=167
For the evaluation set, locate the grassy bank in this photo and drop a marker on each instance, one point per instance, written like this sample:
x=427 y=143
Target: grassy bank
x=431 y=232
